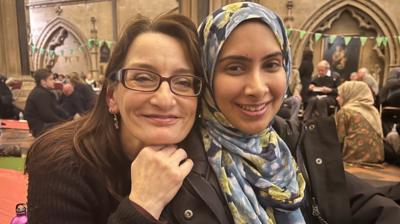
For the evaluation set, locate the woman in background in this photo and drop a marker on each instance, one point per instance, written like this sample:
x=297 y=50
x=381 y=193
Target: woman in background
x=359 y=124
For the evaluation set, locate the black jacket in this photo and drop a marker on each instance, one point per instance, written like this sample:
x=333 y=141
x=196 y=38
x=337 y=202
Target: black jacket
x=72 y=195
x=42 y=110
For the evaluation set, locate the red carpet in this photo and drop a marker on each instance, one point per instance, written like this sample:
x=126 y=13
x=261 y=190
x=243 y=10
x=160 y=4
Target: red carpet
x=13 y=190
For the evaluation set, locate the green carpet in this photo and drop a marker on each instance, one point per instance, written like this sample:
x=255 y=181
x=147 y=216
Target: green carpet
x=12 y=163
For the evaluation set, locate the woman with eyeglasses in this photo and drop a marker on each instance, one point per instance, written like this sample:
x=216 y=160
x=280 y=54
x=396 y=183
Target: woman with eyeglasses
x=121 y=163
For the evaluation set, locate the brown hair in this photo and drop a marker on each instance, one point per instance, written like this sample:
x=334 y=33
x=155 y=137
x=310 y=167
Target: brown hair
x=93 y=137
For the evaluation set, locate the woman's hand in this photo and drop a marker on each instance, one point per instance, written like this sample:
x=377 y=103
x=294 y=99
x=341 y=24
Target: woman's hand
x=157 y=173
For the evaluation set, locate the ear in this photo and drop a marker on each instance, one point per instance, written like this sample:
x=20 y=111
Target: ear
x=43 y=83
x=111 y=100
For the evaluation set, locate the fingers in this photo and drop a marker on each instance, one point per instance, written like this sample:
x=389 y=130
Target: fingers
x=186 y=167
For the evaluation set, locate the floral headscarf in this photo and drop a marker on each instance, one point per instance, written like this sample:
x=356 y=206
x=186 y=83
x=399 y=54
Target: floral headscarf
x=357 y=96
x=258 y=175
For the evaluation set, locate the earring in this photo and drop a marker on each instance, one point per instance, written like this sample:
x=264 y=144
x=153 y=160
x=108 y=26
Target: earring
x=116 y=122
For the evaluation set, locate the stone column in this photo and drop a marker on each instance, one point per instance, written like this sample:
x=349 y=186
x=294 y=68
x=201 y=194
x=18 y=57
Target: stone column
x=10 y=60
x=94 y=70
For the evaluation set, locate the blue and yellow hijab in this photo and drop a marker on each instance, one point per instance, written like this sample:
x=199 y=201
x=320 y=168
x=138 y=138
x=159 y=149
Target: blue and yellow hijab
x=257 y=173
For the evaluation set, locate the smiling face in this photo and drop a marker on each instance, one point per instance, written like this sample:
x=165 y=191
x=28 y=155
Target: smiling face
x=154 y=118
x=250 y=79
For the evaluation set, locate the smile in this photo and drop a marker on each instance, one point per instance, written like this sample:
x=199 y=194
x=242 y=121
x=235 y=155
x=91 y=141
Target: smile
x=162 y=120
x=253 y=108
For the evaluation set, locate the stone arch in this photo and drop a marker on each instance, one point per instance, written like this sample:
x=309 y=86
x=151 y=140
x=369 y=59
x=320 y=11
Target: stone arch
x=56 y=27
x=385 y=27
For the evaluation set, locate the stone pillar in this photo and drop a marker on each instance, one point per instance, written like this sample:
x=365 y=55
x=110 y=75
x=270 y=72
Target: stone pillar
x=10 y=61
x=94 y=70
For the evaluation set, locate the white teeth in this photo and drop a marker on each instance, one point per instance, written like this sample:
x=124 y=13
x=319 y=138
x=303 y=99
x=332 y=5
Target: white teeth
x=252 y=108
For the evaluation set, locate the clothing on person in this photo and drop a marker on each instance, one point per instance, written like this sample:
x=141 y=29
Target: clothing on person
x=248 y=166
x=393 y=138
x=293 y=100
x=72 y=104
x=86 y=95
x=390 y=92
x=42 y=110
x=359 y=125
x=319 y=102
x=306 y=69
x=6 y=105
x=371 y=82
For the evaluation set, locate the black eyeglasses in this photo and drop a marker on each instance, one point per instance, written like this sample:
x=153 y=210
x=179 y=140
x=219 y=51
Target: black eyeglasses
x=147 y=81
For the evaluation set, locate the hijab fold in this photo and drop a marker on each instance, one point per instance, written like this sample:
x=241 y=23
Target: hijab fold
x=257 y=174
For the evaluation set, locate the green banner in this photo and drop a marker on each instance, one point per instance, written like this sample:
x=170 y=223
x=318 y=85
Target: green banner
x=317 y=36
x=347 y=40
x=302 y=34
x=332 y=38
x=363 y=40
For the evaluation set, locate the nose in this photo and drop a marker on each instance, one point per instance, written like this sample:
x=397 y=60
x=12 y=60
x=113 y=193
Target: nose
x=163 y=97
x=256 y=85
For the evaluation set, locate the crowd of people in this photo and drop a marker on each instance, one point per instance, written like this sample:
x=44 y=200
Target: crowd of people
x=189 y=126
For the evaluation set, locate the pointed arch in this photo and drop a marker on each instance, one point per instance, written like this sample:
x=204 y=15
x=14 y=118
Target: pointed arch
x=375 y=13
x=48 y=32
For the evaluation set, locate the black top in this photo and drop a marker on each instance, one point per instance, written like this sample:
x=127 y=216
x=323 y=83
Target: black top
x=42 y=110
x=77 y=194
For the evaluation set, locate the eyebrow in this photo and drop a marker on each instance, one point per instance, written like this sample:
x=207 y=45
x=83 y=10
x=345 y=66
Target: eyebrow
x=154 y=69
x=244 y=58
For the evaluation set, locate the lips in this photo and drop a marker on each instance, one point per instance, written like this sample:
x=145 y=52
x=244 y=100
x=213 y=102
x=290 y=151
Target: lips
x=162 y=119
x=254 y=110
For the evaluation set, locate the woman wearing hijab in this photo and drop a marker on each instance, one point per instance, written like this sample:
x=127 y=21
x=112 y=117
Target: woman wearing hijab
x=359 y=124
x=247 y=62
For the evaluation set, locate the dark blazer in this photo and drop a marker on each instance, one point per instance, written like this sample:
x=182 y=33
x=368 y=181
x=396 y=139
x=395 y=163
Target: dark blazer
x=75 y=195
x=336 y=195
x=42 y=110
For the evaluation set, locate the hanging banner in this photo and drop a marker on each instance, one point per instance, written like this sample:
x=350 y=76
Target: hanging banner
x=302 y=34
x=363 y=40
x=109 y=44
x=347 y=40
x=379 y=41
x=332 y=38
x=317 y=36
x=288 y=31
x=41 y=51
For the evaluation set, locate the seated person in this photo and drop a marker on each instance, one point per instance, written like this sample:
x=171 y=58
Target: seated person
x=390 y=96
x=358 y=124
x=322 y=92
x=393 y=138
x=70 y=101
x=390 y=92
x=42 y=109
x=6 y=105
x=292 y=102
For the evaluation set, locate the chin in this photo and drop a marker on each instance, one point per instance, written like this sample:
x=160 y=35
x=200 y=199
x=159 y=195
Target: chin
x=162 y=139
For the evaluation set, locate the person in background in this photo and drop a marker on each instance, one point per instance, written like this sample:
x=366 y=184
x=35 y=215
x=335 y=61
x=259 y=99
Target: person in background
x=322 y=93
x=354 y=76
x=121 y=162
x=306 y=69
x=90 y=81
x=7 y=109
x=71 y=102
x=393 y=138
x=364 y=75
x=389 y=96
x=292 y=101
x=42 y=110
x=358 y=124
x=84 y=91
x=248 y=63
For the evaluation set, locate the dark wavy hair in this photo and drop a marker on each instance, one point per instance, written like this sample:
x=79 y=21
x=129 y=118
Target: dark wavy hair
x=93 y=137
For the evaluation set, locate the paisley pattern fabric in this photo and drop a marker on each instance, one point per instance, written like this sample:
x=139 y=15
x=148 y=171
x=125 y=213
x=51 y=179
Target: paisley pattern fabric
x=258 y=175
